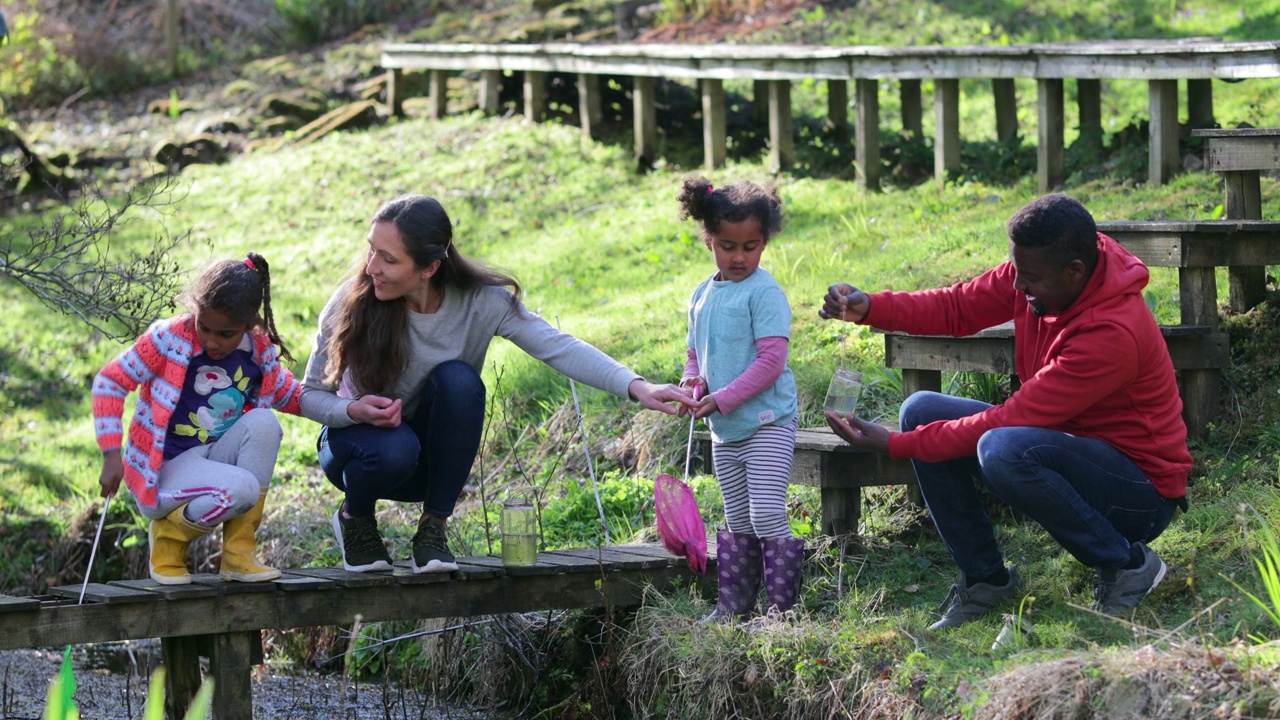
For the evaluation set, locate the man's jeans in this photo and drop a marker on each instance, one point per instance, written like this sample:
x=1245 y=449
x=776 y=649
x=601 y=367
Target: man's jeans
x=426 y=459
x=1090 y=497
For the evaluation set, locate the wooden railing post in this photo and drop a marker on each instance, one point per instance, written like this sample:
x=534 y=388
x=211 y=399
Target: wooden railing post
x=490 y=88
x=1050 y=168
x=535 y=95
x=713 y=122
x=1006 y=99
x=782 y=146
x=866 y=151
x=645 y=122
x=589 y=113
x=1089 y=101
x=912 y=108
x=946 y=143
x=1163 y=155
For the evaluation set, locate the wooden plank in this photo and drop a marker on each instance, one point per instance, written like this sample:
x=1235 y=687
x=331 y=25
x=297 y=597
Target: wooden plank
x=912 y=108
x=231 y=588
x=290 y=582
x=403 y=574
x=345 y=578
x=229 y=666
x=490 y=91
x=611 y=558
x=645 y=122
x=867 y=133
x=648 y=549
x=168 y=592
x=1162 y=157
x=1243 y=149
x=782 y=144
x=946 y=144
x=438 y=82
x=1006 y=100
x=535 y=95
x=9 y=603
x=1198 y=296
x=1089 y=101
x=713 y=123
x=1050 y=162
x=590 y=113
x=838 y=108
x=1158 y=59
x=840 y=509
x=102 y=593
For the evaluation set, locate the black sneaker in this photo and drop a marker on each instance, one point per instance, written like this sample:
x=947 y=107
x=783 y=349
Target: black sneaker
x=360 y=542
x=430 y=551
x=1121 y=590
x=963 y=604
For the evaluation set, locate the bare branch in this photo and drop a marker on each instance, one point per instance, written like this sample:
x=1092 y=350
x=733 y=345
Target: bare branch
x=68 y=263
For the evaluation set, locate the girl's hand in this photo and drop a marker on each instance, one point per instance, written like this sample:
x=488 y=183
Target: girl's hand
x=844 y=302
x=707 y=406
x=859 y=433
x=376 y=411
x=695 y=387
x=112 y=473
x=659 y=397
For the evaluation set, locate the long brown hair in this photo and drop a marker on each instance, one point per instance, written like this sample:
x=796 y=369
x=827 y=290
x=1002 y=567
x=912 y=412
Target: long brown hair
x=369 y=334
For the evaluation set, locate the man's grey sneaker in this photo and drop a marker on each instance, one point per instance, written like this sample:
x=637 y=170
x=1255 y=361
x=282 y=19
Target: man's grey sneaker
x=1121 y=590
x=963 y=604
x=360 y=542
x=430 y=551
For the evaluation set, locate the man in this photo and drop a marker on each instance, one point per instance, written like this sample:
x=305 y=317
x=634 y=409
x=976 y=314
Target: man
x=1092 y=446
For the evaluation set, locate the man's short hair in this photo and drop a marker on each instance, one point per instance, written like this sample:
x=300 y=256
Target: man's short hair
x=1060 y=227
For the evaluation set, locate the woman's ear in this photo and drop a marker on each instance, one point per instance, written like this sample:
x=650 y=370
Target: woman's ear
x=431 y=269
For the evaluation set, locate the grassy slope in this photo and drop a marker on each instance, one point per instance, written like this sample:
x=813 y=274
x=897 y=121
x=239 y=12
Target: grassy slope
x=601 y=250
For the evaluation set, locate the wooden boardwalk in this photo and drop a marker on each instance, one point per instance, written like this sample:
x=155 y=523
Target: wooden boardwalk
x=772 y=68
x=222 y=620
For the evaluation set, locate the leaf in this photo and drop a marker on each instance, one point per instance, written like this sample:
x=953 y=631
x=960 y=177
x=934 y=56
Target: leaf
x=154 y=709
x=61 y=704
x=199 y=708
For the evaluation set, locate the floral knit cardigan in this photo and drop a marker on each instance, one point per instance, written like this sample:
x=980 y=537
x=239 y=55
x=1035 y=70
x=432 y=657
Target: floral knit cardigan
x=157 y=361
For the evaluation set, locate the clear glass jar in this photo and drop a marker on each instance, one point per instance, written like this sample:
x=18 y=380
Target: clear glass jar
x=519 y=532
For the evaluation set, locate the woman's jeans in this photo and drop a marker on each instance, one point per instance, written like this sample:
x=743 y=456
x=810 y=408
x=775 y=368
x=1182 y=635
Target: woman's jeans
x=1090 y=497
x=426 y=459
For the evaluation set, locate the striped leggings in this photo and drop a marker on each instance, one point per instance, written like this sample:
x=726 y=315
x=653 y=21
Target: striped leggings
x=753 y=475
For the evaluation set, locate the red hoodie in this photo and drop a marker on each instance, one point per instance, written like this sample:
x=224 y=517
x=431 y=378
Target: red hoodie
x=1100 y=369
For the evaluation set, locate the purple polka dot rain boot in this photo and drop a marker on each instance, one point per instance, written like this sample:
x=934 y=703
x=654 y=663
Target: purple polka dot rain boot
x=783 y=558
x=738 y=566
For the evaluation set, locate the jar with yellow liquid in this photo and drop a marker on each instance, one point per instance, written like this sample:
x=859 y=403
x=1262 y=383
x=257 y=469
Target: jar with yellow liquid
x=519 y=532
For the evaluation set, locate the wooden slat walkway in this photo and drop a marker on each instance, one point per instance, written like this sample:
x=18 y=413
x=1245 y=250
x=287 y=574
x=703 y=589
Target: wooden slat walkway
x=222 y=620
x=1162 y=63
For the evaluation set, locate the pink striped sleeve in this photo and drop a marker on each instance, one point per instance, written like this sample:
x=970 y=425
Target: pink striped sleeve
x=771 y=360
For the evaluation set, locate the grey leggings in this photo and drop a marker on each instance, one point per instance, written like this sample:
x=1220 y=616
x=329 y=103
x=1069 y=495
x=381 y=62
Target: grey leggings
x=224 y=478
x=753 y=475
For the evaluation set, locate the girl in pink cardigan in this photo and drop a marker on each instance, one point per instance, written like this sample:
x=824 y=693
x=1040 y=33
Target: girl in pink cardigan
x=202 y=444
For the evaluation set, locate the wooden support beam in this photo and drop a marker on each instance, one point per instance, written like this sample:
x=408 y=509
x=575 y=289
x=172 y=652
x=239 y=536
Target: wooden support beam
x=782 y=144
x=1006 y=99
x=395 y=92
x=713 y=122
x=1162 y=157
x=912 y=109
x=181 y=659
x=643 y=98
x=1198 y=296
x=1089 y=100
x=867 y=134
x=838 y=108
x=1200 y=395
x=946 y=144
x=229 y=666
x=760 y=103
x=590 y=115
x=1050 y=167
x=535 y=95
x=439 y=85
x=1200 y=104
x=490 y=88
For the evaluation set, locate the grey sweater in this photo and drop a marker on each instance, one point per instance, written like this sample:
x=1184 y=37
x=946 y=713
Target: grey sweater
x=461 y=329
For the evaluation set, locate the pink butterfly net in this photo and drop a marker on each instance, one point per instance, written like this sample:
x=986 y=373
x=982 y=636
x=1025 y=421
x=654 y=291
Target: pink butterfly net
x=679 y=522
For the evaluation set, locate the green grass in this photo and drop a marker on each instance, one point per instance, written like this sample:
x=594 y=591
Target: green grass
x=602 y=254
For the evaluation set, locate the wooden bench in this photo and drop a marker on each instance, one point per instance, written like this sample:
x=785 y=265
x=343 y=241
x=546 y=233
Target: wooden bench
x=222 y=620
x=772 y=69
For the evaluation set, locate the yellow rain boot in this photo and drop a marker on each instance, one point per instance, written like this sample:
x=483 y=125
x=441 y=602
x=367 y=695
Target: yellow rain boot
x=170 y=536
x=239 y=558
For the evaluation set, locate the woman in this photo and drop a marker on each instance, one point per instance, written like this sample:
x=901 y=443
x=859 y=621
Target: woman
x=395 y=377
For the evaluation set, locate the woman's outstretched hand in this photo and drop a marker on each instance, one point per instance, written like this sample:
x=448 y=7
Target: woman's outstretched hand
x=661 y=397
x=375 y=410
x=860 y=434
x=844 y=302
